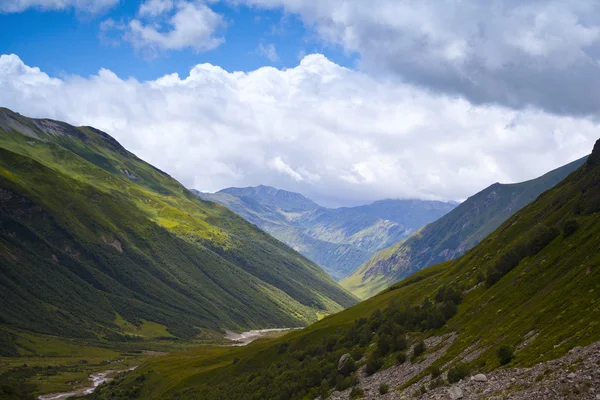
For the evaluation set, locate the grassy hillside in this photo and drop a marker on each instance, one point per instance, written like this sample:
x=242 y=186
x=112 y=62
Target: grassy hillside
x=451 y=235
x=90 y=235
x=340 y=239
x=530 y=288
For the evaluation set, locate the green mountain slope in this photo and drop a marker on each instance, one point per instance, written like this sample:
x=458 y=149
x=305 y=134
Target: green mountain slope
x=451 y=235
x=339 y=240
x=531 y=287
x=89 y=231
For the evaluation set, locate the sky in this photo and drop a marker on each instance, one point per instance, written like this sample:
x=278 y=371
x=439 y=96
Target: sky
x=346 y=102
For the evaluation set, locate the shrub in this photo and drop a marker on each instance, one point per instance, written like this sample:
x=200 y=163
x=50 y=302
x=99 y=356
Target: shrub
x=356 y=393
x=236 y=360
x=457 y=372
x=384 y=344
x=373 y=364
x=401 y=357
x=384 y=388
x=348 y=367
x=342 y=383
x=419 y=348
x=357 y=353
x=435 y=372
x=570 y=227
x=283 y=347
x=505 y=354
x=400 y=343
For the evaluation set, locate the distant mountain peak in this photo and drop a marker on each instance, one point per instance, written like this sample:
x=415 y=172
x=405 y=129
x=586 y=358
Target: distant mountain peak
x=270 y=196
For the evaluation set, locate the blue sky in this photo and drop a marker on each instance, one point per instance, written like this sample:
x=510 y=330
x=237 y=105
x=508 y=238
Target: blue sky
x=72 y=42
x=347 y=102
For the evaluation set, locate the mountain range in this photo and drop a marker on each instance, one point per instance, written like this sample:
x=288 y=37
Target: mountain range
x=499 y=314
x=340 y=239
x=450 y=236
x=91 y=235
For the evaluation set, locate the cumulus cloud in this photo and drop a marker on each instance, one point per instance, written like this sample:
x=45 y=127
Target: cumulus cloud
x=92 y=6
x=334 y=134
x=542 y=53
x=170 y=25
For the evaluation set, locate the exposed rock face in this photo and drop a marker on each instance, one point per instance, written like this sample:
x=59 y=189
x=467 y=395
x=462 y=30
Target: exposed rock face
x=343 y=360
x=480 y=378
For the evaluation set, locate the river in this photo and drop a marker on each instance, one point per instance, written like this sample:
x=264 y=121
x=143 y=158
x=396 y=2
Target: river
x=248 y=337
x=96 y=380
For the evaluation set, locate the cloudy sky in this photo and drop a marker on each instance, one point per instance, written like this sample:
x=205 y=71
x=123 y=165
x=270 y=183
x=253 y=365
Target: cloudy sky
x=344 y=101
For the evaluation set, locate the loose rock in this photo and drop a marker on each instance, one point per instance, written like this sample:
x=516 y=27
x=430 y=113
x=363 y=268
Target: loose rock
x=480 y=378
x=455 y=393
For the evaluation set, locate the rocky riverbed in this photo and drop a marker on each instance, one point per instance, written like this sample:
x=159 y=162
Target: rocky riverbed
x=245 y=338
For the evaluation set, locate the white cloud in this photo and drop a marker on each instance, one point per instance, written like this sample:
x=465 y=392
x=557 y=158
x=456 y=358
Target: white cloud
x=163 y=25
x=155 y=7
x=334 y=134
x=269 y=51
x=92 y=6
x=517 y=53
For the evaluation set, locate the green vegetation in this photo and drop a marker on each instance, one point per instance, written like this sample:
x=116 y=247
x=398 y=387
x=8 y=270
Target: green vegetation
x=97 y=245
x=458 y=372
x=505 y=354
x=451 y=235
x=541 y=308
x=339 y=240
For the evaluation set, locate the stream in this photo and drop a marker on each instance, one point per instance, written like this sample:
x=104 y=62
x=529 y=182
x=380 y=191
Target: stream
x=96 y=380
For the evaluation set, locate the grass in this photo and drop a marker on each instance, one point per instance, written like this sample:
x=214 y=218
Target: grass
x=451 y=235
x=88 y=231
x=553 y=292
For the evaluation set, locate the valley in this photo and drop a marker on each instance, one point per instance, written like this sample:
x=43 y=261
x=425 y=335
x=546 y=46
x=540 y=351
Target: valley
x=337 y=239
x=299 y=200
x=512 y=317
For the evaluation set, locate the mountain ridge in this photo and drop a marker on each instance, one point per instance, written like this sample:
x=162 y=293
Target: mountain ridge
x=81 y=214
x=524 y=296
x=453 y=234
x=338 y=239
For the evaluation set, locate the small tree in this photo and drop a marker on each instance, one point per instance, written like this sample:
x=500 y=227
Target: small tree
x=373 y=364
x=401 y=357
x=457 y=372
x=505 y=354
x=419 y=348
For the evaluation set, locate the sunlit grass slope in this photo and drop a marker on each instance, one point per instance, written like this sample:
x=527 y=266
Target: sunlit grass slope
x=532 y=285
x=92 y=237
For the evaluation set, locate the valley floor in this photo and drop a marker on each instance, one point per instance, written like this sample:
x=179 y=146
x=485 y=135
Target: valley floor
x=574 y=376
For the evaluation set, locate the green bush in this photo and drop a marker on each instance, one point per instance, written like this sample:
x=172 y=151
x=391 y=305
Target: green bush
x=505 y=354
x=356 y=393
x=419 y=348
x=435 y=372
x=374 y=362
x=570 y=227
x=384 y=388
x=348 y=367
x=457 y=372
x=401 y=357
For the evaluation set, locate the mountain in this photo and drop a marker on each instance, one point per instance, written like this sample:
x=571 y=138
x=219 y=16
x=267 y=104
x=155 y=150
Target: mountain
x=90 y=235
x=453 y=234
x=339 y=239
x=526 y=295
